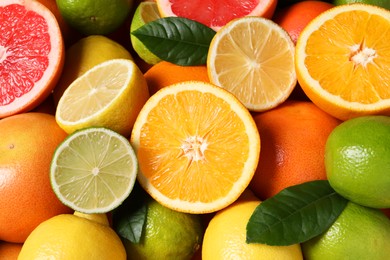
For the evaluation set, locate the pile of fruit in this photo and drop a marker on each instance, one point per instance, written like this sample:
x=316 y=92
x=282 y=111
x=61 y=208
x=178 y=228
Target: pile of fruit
x=176 y=129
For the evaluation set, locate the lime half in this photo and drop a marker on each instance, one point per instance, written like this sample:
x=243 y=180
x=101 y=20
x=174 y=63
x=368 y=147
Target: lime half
x=93 y=170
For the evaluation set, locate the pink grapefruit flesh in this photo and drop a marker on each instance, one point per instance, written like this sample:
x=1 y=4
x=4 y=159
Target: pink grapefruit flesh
x=216 y=13
x=31 y=55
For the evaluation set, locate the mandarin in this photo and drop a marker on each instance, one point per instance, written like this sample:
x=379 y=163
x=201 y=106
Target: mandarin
x=295 y=17
x=165 y=73
x=293 y=145
x=27 y=145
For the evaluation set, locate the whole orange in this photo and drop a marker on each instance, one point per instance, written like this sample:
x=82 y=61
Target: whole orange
x=293 y=137
x=27 y=144
x=165 y=73
x=295 y=17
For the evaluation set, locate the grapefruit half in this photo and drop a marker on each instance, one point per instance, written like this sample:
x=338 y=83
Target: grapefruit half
x=31 y=55
x=216 y=13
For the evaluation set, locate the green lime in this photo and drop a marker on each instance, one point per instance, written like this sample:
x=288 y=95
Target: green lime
x=146 y=12
x=168 y=234
x=357 y=160
x=93 y=170
x=358 y=233
x=95 y=16
x=381 y=3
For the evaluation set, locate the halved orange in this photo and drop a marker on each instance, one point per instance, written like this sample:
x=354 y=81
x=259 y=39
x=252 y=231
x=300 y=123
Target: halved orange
x=343 y=61
x=197 y=147
x=31 y=55
x=216 y=13
x=253 y=58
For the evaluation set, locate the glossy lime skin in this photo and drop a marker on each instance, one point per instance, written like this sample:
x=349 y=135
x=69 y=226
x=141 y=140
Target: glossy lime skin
x=357 y=160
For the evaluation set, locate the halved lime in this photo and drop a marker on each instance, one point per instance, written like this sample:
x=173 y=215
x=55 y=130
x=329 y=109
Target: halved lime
x=93 y=170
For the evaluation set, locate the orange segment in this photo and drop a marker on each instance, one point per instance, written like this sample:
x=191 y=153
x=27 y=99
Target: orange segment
x=342 y=61
x=197 y=147
x=253 y=58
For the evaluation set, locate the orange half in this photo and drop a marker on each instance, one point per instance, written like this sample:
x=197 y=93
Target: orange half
x=197 y=147
x=343 y=61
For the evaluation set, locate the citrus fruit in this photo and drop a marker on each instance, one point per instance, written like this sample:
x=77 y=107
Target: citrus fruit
x=31 y=55
x=27 y=144
x=9 y=251
x=213 y=13
x=357 y=160
x=359 y=233
x=197 y=147
x=293 y=145
x=74 y=236
x=225 y=236
x=83 y=55
x=295 y=17
x=109 y=95
x=144 y=13
x=168 y=234
x=165 y=73
x=381 y=3
x=344 y=69
x=91 y=17
x=93 y=170
x=253 y=58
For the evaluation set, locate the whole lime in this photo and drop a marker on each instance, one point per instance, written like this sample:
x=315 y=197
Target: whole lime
x=95 y=16
x=358 y=233
x=357 y=160
x=380 y=3
x=168 y=234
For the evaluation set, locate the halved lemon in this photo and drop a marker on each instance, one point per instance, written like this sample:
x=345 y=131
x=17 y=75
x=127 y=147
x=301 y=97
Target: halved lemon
x=197 y=147
x=253 y=58
x=109 y=94
x=343 y=60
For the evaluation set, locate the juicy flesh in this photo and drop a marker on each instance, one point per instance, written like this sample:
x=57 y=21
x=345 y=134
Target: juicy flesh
x=24 y=50
x=352 y=61
x=258 y=72
x=190 y=150
x=213 y=12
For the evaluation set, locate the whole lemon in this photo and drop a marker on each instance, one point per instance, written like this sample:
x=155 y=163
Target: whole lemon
x=358 y=233
x=74 y=236
x=225 y=236
x=357 y=160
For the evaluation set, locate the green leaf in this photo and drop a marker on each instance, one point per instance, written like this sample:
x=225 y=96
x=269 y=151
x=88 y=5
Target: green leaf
x=178 y=40
x=130 y=217
x=295 y=215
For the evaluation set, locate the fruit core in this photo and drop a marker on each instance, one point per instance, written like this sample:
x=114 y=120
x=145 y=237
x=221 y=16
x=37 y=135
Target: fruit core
x=362 y=55
x=194 y=148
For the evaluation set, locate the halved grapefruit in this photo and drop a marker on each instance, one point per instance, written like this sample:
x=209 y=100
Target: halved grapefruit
x=216 y=13
x=31 y=55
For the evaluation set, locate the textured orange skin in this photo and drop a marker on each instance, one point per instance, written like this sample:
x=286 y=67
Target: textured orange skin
x=27 y=144
x=293 y=138
x=165 y=73
x=295 y=17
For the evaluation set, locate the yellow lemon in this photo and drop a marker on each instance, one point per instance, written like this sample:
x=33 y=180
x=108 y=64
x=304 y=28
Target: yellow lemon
x=73 y=236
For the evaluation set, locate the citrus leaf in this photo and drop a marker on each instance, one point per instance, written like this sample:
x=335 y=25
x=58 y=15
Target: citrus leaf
x=178 y=40
x=295 y=215
x=130 y=217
